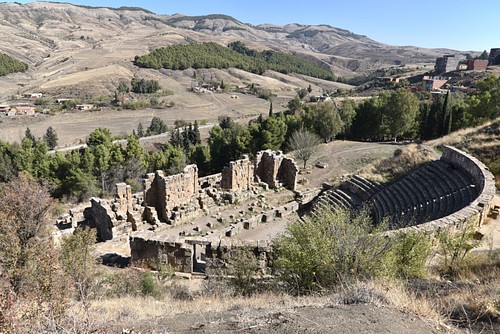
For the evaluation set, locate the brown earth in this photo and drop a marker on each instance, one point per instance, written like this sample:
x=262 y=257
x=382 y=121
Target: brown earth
x=362 y=318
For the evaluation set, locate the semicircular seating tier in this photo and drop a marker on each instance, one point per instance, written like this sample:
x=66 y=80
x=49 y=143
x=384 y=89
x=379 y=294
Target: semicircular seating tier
x=456 y=185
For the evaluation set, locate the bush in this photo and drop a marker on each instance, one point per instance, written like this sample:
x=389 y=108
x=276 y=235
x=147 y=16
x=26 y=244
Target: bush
x=244 y=265
x=454 y=245
x=408 y=254
x=149 y=287
x=135 y=105
x=339 y=247
x=329 y=248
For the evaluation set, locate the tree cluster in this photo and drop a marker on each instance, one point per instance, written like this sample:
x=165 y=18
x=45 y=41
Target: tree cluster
x=213 y=55
x=143 y=86
x=392 y=115
x=10 y=65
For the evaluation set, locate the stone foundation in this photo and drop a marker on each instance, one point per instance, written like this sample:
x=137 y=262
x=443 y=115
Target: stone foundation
x=150 y=252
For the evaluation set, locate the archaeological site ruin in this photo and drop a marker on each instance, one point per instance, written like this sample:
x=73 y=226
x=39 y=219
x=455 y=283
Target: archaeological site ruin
x=189 y=222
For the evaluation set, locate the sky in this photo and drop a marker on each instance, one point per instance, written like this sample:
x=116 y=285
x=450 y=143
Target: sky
x=456 y=24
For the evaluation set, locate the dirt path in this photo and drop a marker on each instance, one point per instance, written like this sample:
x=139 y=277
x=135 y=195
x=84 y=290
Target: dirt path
x=360 y=318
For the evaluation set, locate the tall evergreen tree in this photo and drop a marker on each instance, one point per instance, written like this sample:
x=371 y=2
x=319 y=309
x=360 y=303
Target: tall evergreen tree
x=50 y=138
x=29 y=135
x=140 y=130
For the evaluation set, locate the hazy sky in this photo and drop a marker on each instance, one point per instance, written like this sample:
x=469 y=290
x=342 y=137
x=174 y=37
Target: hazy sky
x=455 y=24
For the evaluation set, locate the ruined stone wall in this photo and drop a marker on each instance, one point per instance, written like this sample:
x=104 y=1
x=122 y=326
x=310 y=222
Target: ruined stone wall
x=225 y=254
x=170 y=195
x=123 y=198
x=266 y=167
x=212 y=181
x=288 y=172
x=154 y=252
x=273 y=167
x=238 y=176
x=101 y=217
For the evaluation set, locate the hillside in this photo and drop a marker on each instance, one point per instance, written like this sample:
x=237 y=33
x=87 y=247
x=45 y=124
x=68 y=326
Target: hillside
x=58 y=40
x=483 y=142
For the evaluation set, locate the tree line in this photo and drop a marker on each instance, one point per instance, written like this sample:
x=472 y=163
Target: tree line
x=213 y=55
x=393 y=115
x=10 y=65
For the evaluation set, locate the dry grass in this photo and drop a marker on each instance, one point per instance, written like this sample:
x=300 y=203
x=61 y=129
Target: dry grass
x=403 y=161
x=468 y=300
x=460 y=137
x=143 y=308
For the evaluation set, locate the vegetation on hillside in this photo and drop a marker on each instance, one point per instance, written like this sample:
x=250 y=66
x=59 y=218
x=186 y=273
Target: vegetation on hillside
x=213 y=55
x=121 y=8
x=10 y=65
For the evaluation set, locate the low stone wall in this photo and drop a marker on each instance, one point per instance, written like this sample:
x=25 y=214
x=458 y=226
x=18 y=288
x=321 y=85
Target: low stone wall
x=212 y=181
x=148 y=250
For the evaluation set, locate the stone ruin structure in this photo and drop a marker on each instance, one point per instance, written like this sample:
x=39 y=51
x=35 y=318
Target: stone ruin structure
x=125 y=210
x=275 y=168
x=171 y=200
x=441 y=193
x=438 y=194
x=238 y=175
x=170 y=197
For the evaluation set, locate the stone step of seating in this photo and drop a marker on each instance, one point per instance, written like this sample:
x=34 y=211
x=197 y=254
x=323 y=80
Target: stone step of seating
x=339 y=196
x=334 y=202
x=423 y=198
x=430 y=175
x=434 y=173
x=324 y=203
x=362 y=187
x=386 y=204
x=351 y=198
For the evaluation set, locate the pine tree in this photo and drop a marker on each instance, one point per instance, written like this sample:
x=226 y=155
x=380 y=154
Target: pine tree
x=271 y=109
x=50 y=138
x=175 y=138
x=196 y=134
x=29 y=135
x=140 y=130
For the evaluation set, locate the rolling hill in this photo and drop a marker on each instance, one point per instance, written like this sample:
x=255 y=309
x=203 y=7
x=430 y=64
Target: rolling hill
x=59 y=41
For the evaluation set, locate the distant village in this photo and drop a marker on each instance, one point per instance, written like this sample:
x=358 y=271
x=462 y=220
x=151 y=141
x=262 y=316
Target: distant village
x=448 y=63
x=27 y=104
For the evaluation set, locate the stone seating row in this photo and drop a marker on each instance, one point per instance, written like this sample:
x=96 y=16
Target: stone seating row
x=348 y=195
x=429 y=192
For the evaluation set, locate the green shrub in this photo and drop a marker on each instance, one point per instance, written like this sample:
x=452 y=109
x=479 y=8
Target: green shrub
x=244 y=265
x=329 y=248
x=149 y=286
x=454 y=245
x=408 y=254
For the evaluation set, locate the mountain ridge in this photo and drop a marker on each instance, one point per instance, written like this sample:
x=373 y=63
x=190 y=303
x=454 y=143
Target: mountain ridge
x=58 y=39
